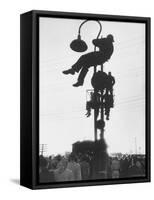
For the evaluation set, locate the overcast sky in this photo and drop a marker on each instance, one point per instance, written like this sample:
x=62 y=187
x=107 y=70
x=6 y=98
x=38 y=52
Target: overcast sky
x=63 y=107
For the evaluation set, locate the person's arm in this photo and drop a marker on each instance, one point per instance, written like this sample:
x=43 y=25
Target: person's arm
x=113 y=80
x=96 y=42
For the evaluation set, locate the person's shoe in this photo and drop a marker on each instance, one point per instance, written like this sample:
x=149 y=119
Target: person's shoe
x=77 y=84
x=88 y=114
x=69 y=71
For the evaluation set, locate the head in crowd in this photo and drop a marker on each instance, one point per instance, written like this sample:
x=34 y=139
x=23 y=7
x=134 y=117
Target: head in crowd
x=43 y=162
x=58 y=157
x=138 y=164
x=72 y=158
x=84 y=158
x=50 y=157
x=62 y=165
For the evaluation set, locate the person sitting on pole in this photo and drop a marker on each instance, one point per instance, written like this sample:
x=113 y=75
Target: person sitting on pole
x=95 y=58
x=108 y=103
x=110 y=83
x=94 y=103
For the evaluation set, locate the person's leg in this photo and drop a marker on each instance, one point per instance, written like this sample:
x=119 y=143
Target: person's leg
x=97 y=111
x=110 y=89
x=81 y=77
x=88 y=108
x=76 y=67
x=107 y=113
x=79 y=64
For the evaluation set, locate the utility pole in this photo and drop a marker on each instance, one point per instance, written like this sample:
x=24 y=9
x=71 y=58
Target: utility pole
x=101 y=99
x=95 y=120
x=43 y=148
x=102 y=111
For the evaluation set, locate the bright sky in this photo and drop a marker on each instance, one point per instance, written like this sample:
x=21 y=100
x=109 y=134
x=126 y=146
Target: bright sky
x=63 y=107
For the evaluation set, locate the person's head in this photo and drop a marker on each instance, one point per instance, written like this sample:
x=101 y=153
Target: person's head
x=58 y=157
x=103 y=43
x=110 y=38
x=54 y=163
x=84 y=158
x=138 y=164
x=43 y=162
x=115 y=159
x=72 y=158
x=50 y=158
x=109 y=73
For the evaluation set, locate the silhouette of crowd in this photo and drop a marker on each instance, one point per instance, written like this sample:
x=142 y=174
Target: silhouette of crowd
x=77 y=167
x=126 y=166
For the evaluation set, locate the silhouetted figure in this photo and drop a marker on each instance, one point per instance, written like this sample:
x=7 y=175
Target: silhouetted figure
x=89 y=105
x=95 y=58
x=45 y=175
x=94 y=103
x=99 y=80
x=108 y=102
x=75 y=167
x=136 y=170
x=110 y=83
x=100 y=124
x=62 y=173
x=115 y=168
x=85 y=168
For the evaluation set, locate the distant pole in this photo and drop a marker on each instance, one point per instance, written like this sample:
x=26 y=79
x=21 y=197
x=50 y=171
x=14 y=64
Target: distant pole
x=135 y=146
x=139 y=150
x=42 y=148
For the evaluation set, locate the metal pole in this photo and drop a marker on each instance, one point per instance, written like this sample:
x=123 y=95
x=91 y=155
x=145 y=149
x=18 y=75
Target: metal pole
x=102 y=111
x=135 y=146
x=95 y=120
x=79 y=32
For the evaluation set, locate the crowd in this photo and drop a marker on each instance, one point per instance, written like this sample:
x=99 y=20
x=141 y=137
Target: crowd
x=126 y=166
x=63 y=168
x=79 y=167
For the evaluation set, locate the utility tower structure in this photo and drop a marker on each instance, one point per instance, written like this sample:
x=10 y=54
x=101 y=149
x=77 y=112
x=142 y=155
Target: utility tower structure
x=101 y=96
x=101 y=114
x=100 y=80
x=43 y=148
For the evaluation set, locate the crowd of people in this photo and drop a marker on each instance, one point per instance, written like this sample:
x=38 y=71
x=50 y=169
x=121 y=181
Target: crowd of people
x=79 y=167
x=126 y=166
